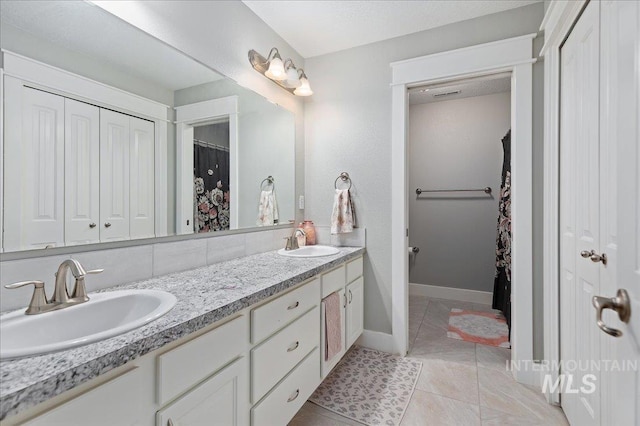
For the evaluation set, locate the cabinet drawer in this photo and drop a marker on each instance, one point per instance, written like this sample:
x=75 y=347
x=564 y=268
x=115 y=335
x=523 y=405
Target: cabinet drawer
x=186 y=365
x=281 y=405
x=220 y=400
x=333 y=281
x=354 y=269
x=116 y=402
x=274 y=358
x=274 y=315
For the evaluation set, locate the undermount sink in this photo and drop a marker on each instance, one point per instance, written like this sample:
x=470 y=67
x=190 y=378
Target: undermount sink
x=105 y=315
x=310 y=251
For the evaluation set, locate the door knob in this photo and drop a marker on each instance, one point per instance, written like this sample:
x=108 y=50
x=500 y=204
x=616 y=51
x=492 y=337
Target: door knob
x=586 y=253
x=92 y=225
x=106 y=225
x=620 y=304
x=595 y=257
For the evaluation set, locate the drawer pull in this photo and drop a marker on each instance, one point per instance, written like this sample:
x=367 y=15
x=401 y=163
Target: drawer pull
x=170 y=422
x=345 y=301
x=350 y=297
x=293 y=347
x=293 y=306
x=293 y=397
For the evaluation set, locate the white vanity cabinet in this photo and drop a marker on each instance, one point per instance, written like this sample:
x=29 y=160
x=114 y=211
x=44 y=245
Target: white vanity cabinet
x=257 y=368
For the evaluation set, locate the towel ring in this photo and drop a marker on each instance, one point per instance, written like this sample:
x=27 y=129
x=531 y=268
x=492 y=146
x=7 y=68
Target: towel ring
x=270 y=181
x=345 y=177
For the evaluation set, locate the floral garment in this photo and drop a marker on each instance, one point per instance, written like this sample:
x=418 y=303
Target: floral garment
x=502 y=281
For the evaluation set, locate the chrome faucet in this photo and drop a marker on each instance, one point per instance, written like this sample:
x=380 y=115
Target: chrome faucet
x=40 y=304
x=60 y=292
x=292 y=241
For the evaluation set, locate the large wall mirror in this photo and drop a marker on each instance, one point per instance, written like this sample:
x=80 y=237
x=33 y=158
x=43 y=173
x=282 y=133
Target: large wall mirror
x=110 y=134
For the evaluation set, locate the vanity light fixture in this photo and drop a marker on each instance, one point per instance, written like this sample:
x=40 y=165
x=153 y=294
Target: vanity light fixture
x=284 y=74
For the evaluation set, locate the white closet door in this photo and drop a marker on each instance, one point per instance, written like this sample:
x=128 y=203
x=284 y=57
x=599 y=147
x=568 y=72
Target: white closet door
x=114 y=176
x=82 y=173
x=620 y=165
x=34 y=158
x=580 y=212
x=142 y=197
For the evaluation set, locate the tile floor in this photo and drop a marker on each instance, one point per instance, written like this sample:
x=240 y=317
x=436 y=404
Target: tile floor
x=461 y=383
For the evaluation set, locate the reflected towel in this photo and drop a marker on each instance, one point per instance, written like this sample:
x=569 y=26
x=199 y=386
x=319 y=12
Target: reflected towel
x=332 y=328
x=268 y=208
x=343 y=217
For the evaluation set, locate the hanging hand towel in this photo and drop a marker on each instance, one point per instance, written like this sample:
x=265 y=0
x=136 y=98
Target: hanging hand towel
x=343 y=218
x=268 y=208
x=332 y=321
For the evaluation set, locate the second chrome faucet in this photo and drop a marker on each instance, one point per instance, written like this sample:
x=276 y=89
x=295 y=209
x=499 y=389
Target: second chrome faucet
x=40 y=304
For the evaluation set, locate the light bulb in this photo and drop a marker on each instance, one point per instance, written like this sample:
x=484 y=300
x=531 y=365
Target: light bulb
x=276 y=69
x=292 y=81
x=304 y=89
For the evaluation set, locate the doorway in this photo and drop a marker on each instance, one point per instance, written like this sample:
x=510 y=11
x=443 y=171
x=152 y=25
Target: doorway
x=511 y=55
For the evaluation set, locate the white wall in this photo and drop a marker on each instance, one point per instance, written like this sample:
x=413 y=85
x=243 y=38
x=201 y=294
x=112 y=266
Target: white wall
x=456 y=144
x=348 y=127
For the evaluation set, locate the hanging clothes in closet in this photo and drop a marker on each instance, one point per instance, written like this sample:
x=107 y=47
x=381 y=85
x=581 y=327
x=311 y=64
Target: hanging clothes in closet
x=502 y=281
x=211 y=182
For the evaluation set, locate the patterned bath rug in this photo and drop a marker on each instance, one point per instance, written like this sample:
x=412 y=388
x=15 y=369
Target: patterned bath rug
x=369 y=386
x=478 y=327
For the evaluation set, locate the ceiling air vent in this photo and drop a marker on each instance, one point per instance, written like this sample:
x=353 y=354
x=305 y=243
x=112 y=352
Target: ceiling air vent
x=439 y=95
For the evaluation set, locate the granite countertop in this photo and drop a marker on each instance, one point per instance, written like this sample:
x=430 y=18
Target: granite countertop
x=205 y=295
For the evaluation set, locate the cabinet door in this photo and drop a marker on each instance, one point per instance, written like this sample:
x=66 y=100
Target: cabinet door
x=114 y=176
x=220 y=400
x=82 y=173
x=142 y=173
x=34 y=158
x=355 y=311
x=116 y=402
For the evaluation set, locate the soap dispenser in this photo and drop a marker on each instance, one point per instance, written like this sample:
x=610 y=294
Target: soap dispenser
x=310 y=232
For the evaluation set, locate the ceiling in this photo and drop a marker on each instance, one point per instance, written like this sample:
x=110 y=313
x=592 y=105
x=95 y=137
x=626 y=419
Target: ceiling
x=475 y=87
x=316 y=28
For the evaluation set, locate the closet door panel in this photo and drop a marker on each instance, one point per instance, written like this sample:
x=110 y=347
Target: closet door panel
x=34 y=158
x=580 y=124
x=142 y=197
x=82 y=173
x=114 y=176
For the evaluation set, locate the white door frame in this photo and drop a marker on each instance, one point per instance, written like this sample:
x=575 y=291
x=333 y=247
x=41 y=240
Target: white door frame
x=512 y=55
x=557 y=24
x=188 y=116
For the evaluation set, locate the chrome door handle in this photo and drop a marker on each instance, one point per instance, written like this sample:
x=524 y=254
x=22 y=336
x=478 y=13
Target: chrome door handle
x=595 y=257
x=106 y=225
x=92 y=225
x=586 y=253
x=620 y=304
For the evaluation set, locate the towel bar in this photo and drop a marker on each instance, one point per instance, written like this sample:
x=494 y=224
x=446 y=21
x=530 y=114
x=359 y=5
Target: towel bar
x=345 y=177
x=486 y=190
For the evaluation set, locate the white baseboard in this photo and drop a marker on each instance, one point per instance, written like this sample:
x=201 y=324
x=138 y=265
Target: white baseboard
x=461 y=294
x=378 y=341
